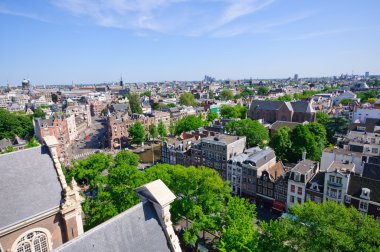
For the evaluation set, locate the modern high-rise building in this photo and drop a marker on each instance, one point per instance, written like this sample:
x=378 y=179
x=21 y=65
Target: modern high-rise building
x=366 y=75
x=296 y=77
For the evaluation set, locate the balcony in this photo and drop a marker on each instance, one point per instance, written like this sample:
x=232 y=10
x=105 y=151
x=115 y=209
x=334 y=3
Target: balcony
x=334 y=184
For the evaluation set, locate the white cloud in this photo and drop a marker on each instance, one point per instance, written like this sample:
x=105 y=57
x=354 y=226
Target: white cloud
x=185 y=17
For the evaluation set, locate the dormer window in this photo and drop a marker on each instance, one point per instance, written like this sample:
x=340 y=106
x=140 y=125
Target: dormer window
x=365 y=193
x=297 y=177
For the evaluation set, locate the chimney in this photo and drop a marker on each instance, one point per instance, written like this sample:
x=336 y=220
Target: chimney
x=304 y=155
x=157 y=193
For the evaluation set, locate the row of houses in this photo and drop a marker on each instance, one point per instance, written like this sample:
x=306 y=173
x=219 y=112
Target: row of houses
x=255 y=173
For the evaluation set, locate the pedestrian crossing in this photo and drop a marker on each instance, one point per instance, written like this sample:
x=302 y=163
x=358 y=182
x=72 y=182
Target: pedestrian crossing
x=85 y=154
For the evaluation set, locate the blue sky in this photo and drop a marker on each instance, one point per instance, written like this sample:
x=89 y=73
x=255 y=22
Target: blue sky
x=92 y=41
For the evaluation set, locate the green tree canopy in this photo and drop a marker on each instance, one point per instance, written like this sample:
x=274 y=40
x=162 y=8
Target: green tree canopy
x=239 y=233
x=146 y=93
x=211 y=116
x=262 y=91
x=187 y=99
x=171 y=127
x=39 y=113
x=153 y=131
x=237 y=111
x=190 y=122
x=256 y=133
x=304 y=141
x=322 y=118
x=326 y=226
x=137 y=133
x=162 y=131
x=226 y=95
x=135 y=103
x=12 y=124
x=345 y=101
x=282 y=144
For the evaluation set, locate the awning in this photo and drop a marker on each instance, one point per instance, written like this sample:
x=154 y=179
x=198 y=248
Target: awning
x=278 y=205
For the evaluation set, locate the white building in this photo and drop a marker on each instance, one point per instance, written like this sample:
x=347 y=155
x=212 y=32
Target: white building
x=337 y=178
x=300 y=175
x=361 y=114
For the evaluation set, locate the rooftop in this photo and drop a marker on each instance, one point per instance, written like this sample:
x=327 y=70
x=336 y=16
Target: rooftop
x=222 y=138
x=304 y=166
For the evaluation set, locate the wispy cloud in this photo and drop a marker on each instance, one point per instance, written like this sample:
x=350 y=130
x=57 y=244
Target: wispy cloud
x=184 y=17
x=262 y=26
x=6 y=11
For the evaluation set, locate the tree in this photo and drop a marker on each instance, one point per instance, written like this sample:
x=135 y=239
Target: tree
x=322 y=118
x=285 y=97
x=281 y=143
x=256 y=133
x=365 y=95
x=247 y=92
x=187 y=99
x=238 y=233
x=203 y=196
x=162 y=129
x=126 y=157
x=12 y=124
x=190 y=122
x=237 y=111
x=319 y=133
x=336 y=125
x=171 y=127
x=262 y=91
x=226 y=95
x=137 y=133
x=135 y=103
x=345 y=101
x=211 y=116
x=39 y=113
x=146 y=93
x=153 y=131
x=304 y=141
x=315 y=228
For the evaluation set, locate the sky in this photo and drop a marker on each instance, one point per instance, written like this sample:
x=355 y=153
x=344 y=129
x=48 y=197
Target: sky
x=95 y=41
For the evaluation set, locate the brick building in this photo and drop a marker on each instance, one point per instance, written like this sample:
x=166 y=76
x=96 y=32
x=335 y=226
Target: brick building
x=272 y=111
x=42 y=211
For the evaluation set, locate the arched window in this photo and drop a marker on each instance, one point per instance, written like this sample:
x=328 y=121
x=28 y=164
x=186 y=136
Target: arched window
x=35 y=240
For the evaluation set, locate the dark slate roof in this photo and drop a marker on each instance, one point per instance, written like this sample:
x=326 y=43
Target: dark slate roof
x=319 y=179
x=29 y=185
x=267 y=105
x=371 y=171
x=357 y=183
x=136 y=230
x=119 y=107
x=279 y=124
x=300 y=106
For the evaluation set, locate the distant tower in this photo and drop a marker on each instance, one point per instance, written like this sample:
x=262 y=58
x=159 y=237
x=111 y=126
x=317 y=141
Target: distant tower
x=26 y=84
x=296 y=77
x=366 y=75
x=121 y=81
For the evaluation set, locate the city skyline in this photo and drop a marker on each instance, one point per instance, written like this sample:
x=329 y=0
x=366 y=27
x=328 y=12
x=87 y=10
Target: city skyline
x=59 y=42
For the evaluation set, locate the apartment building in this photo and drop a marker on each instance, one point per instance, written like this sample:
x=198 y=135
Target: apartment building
x=300 y=175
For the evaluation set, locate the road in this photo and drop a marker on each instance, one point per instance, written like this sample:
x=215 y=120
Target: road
x=97 y=131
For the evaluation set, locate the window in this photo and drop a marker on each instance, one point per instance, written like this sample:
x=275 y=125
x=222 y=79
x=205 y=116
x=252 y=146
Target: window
x=375 y=150
x=259 y=182
x=338 y=180
x=297 y=177
x=299 y=190
x=332 y=178
x=299 y=200
x=291 y=199
x=292 y=188
x=34 y=240
x=348 y=199
x=363 y=206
